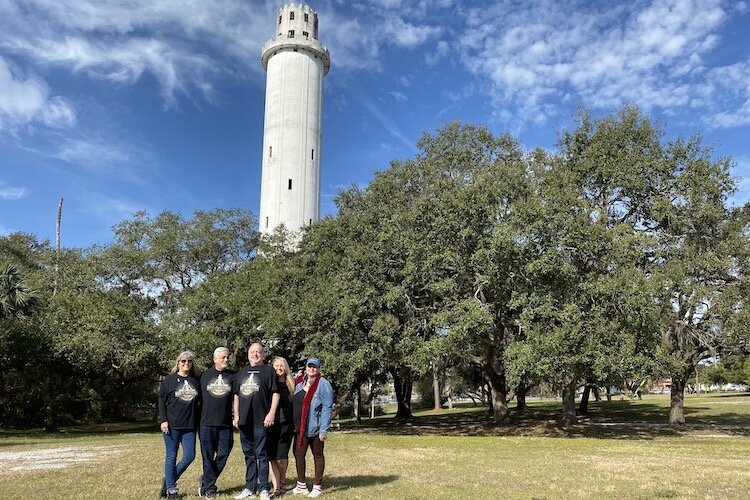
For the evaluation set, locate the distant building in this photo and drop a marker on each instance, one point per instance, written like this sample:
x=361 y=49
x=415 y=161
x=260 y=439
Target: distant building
x=295 y=64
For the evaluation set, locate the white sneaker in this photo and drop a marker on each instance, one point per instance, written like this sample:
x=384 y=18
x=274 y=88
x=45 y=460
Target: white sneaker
x=298 y=490
x=245 y=494
x=264 y=495
x=316 y=492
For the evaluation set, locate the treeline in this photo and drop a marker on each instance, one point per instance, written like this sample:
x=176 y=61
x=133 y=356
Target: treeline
x=618 y=256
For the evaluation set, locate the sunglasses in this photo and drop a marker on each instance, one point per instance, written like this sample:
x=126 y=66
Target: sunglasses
x=186 y=361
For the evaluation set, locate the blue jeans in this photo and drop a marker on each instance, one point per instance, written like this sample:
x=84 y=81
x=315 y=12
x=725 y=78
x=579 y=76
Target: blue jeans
x=253 y=440
x=172 y=441
x=216 y=444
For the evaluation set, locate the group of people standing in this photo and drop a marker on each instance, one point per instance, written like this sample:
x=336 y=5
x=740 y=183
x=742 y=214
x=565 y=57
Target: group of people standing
x=272 y=412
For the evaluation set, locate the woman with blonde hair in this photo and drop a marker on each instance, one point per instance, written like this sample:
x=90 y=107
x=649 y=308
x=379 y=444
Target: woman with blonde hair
x=281 y=434
x=179 y=403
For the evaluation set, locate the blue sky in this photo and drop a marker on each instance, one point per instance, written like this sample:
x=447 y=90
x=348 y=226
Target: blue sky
x=155 y=105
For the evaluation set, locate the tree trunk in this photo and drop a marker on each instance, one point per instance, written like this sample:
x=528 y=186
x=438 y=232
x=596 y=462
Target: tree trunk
x=488 y=391
x=583 y=406
x=50 y=423
x=402 y=385
x=677 y=401
x=595 y=390
x=358 y=404
x=521 y=392
x=494 y=370
x=435 y=388
x=569 y=403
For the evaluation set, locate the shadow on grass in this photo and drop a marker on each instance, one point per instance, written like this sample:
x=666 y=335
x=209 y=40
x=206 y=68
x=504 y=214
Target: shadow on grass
x=339 y=483
x=342 y=483
x=605 y=420
x=108 y=429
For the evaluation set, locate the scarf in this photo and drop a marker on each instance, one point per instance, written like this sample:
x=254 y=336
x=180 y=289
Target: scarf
x=306 y=410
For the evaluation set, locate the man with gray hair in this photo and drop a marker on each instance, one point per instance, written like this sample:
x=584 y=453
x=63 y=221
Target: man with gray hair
x=216 y=433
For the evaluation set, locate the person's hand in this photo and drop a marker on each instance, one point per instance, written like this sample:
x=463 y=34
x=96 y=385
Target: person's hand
x=236 y=422
x=269 y=420
x=165 y=427
x=322 y=437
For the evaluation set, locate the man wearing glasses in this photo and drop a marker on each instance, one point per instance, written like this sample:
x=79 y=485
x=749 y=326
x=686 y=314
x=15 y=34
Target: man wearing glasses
x=256 y=397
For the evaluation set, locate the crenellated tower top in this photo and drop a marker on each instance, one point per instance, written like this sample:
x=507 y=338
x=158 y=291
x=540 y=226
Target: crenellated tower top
x=296 y=29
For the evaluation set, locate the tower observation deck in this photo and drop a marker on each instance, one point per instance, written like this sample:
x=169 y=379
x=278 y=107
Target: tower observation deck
x=295 y=64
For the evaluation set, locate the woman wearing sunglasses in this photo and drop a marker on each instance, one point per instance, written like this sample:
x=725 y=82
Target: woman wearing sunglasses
x=179 y=406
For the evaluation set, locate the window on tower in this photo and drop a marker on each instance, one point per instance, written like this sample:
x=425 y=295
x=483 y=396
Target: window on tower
x=291 y=34
x=266 y=222
x=307 y=16
x=270 y=151
x=291 y=16
x=306 y=35
x=290 y=185
x=312 y=154
x=279 y=19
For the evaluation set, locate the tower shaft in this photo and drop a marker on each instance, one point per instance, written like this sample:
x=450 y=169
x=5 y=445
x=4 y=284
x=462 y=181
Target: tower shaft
x=295 y=64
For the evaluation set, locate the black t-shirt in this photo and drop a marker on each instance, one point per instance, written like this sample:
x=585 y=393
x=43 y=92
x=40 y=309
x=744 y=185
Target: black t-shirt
x=179 y=401
x=298 y=400
x=284 y=411
x=254 y=385
x=216 y=387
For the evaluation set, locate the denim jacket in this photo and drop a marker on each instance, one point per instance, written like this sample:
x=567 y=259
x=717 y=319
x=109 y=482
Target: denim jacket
x=321 y=407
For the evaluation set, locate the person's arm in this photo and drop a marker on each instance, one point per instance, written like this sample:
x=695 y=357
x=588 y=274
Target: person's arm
x=163 y=424
x=271 y=416
x=236 y=411
x=326 y=397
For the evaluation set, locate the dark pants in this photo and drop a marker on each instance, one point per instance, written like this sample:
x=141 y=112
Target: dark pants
x=320 y=460
x=216 y=443
x=172 y=441
x=253 y=440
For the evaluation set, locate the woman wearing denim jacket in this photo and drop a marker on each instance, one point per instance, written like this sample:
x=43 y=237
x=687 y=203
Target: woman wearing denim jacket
x=312 y=404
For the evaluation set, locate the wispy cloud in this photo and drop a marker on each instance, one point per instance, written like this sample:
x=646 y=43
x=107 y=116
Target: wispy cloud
x=183 y=48
x=398 y=96
x=386 y=122
x=100 y=156
x=358 y=42
x=25 y=100
x=11 y=192
x=112 y=209
x=547 y=54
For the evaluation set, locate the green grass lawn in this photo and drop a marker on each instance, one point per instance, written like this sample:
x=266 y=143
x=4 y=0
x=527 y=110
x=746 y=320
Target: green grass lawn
x=617 y=451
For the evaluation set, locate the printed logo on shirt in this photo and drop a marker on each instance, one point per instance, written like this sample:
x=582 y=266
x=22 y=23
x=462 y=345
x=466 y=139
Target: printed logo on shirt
x=249 y=386
x=218 y=387
x=186 y=393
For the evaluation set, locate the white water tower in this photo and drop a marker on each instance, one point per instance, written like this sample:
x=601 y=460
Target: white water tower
x=295 y=64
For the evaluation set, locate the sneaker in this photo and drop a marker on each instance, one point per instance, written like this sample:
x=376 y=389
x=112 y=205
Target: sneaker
x=300 y=489
x=211 y=495
x=316 y=492
x=244 y=494
x=264 y=495
x=163 y=490
x=173 y=495
x=201 y=491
